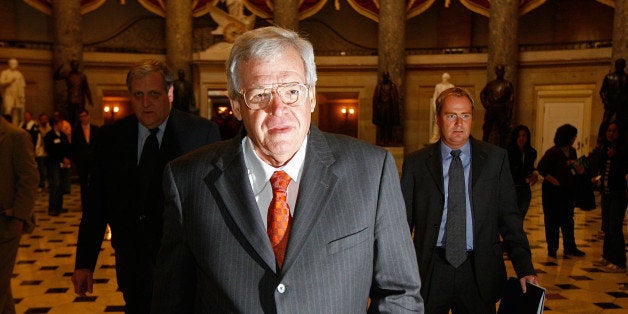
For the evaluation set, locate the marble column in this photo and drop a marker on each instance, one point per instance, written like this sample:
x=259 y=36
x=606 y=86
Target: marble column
x=392 y=59
x=179 y=36
x=620 y=31
x=67 y=46
x=502 y=41
x=286 y=14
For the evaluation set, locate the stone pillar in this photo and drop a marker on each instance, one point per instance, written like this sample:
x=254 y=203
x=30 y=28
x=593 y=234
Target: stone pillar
x=392 y=59
x=620 y=33
x=67 y=46
x=179 y=36
x=286 y=14
x=502 y=39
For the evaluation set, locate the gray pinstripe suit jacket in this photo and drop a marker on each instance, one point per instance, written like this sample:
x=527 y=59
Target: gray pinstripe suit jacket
x=348 y=241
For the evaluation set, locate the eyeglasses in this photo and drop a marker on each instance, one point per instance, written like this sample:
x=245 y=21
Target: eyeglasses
x=289 y=93
x=451 y=117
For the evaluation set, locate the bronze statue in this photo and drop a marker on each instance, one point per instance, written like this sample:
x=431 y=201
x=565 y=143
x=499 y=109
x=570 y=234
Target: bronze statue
x=386 y=111
x=498 y=98
x=184 y=95
x=77 y=90
x=614 y=93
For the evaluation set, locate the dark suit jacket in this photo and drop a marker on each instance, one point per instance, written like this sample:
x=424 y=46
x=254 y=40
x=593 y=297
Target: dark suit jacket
x=114 y=189
x=495 y=213
x=346 y=240
x=83 y=152
x=19 y=178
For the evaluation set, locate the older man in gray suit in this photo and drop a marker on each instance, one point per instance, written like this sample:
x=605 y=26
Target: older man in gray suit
x=283 y=218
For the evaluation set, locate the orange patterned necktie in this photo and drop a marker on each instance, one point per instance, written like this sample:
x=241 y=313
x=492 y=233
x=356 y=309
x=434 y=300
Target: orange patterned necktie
x=279 y=219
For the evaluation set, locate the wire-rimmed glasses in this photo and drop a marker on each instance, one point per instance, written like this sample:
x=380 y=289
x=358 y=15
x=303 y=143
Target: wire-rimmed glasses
x=289 y=93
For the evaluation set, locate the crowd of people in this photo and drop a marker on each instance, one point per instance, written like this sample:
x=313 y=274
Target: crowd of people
x=285 y=217
x=59 y=150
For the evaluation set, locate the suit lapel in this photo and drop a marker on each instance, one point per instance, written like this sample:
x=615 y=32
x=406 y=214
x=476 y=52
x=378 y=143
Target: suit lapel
x=434 y=164
x=317 y=183
x=230 y=185
x=128 y=140
x=170 y=146
x=478 y=162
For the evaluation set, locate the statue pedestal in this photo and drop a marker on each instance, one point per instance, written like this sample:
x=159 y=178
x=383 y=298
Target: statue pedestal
x=397 y=152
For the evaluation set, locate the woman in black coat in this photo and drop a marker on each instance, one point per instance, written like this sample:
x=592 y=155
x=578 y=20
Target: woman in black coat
x=522 y=156
x=611 y=178
x=558 y=167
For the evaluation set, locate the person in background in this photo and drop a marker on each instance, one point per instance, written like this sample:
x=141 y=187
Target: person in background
x=460 y=200
x=283 y=218
x=522 y=157
x=40 y=151
x=611 y=179
x=558 y=167
x=18 y=184
x=30 y=126
x=58 y=164
x=83 y=139
x=66 y=174
x=125 y=190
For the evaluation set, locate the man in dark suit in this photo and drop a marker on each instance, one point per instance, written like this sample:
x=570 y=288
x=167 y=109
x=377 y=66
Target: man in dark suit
x=283 y=218
x=125 y=190
x=83 y=142
x=469 y=282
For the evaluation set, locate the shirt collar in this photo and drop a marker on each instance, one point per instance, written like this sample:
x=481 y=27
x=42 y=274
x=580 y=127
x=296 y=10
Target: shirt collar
x=144 y=131
x=445 y=151
x=260 y=172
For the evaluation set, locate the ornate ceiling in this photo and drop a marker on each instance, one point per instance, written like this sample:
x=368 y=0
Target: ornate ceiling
x=264 y=8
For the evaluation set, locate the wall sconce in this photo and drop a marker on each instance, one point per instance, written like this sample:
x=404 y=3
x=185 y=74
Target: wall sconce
x=347 y=111
x=224 y=110
x=112 y=110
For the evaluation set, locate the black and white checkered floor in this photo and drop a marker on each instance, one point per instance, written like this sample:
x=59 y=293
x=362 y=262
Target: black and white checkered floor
x=41 y=280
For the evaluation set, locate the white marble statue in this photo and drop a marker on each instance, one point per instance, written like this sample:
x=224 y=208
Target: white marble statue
x=439 y=88
x=13 y=97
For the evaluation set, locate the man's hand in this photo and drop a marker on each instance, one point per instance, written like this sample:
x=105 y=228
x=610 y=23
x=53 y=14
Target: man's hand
x=533 y=178
x=83 y=280
x=530 y=279
x=552 y=180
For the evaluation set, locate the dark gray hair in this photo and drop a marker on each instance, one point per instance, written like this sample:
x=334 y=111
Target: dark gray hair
x=145 y=67
x=265 y=43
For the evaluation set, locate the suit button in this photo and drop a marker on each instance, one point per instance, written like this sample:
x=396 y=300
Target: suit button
x=281 y=288
x=141 y=217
